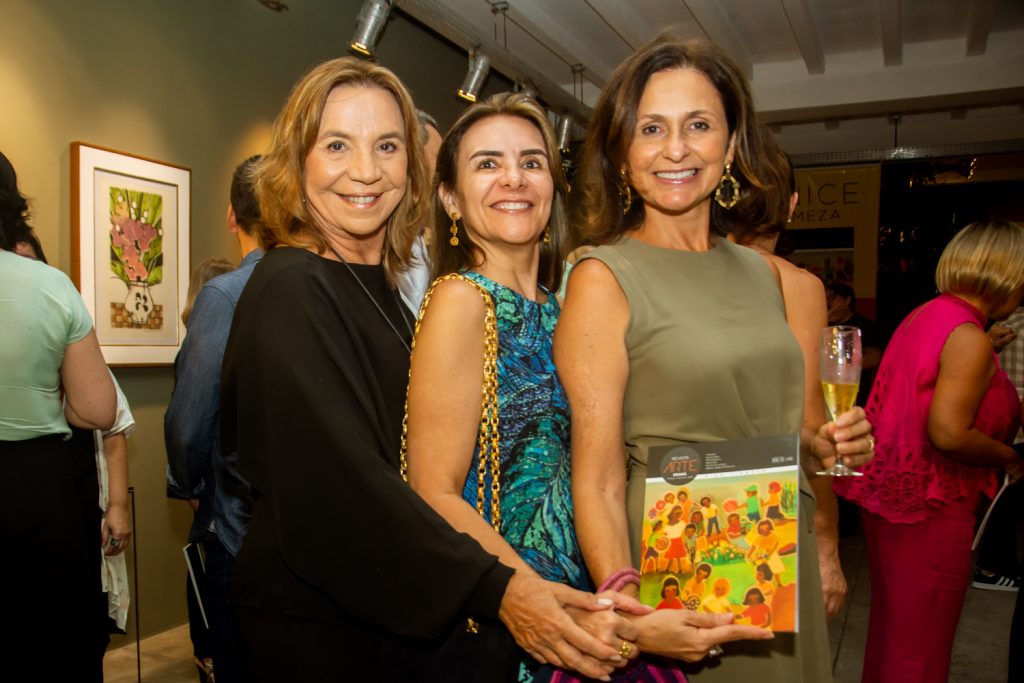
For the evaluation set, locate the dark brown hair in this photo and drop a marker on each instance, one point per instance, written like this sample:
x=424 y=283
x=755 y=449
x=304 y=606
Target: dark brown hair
x=612 y=127
x=14 y=212
x=243 y=196
x=279 y=174
x=448 y=259
x=766 y=210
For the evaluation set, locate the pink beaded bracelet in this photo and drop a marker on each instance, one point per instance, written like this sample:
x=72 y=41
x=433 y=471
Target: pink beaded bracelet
x=618 y=580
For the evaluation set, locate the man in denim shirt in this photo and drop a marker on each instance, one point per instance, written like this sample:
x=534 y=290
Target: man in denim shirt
x=196 y=468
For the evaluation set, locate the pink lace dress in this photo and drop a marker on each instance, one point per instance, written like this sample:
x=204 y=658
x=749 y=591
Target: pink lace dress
x=909 y=480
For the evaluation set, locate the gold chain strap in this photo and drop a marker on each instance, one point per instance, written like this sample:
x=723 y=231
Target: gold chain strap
x=487 y=436
x=488 y=440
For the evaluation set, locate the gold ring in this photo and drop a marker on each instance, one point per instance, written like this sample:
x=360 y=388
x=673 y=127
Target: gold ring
x=871 y=443
x=625 y=649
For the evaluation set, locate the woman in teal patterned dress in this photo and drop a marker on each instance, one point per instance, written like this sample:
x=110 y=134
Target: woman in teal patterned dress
x=499 y=229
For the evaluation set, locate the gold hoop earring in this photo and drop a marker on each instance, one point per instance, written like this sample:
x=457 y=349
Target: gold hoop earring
x=734 y=189
x=547 y=235
x=625 y=192
x=454 y=230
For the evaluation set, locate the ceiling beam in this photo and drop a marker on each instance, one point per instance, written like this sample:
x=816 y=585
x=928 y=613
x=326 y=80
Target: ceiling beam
x=805 y=33
x=553 y=36
x=718 y=28
x=455 y=28
x=979 y=25
x=911 y=105
x=625 y=22
x=892 y=32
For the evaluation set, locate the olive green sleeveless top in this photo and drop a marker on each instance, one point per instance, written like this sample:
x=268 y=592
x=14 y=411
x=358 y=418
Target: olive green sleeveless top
x=710 y=354
x=711 y=358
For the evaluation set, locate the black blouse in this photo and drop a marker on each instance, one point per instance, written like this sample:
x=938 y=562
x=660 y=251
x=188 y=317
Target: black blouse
x=313 y=395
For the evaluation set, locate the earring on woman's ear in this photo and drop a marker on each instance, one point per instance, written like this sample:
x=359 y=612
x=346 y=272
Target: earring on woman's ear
x=733 y=191
x=625 y=192
x=454 y=230
x=547 y=234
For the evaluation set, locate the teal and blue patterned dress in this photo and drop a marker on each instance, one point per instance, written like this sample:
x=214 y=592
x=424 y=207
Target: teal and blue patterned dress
x=533 y=411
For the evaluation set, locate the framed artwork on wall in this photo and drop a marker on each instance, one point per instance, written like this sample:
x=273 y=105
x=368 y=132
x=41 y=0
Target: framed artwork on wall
x=130 y=251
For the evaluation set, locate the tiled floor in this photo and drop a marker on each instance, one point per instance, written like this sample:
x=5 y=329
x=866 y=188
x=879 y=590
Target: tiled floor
x=979 y=654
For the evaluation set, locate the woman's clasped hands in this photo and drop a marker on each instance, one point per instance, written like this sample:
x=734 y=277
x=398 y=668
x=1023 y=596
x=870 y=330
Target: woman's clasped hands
x=679 y=634
x=571 y=629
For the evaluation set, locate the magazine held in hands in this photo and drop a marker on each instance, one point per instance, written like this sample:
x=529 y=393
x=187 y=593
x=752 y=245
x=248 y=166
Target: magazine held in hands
x=720 y=529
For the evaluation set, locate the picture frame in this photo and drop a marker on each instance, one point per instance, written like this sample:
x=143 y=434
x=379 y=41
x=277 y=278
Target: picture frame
x=130 y=227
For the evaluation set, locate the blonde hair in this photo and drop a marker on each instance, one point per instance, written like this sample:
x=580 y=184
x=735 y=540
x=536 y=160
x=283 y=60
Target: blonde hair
x=279 y=174
x=448 y=259
x=985 y=260
x=203 y=273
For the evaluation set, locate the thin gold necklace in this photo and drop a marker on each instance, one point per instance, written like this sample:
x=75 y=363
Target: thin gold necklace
x=377 y=305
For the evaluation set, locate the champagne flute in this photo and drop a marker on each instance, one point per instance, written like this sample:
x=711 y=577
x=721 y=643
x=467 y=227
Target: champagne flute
x=839 y=359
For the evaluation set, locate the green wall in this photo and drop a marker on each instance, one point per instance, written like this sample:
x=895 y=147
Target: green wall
x=195 y=83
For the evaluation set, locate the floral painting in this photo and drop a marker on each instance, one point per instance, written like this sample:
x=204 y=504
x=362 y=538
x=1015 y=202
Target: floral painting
x=130 y=251
x=136 y=252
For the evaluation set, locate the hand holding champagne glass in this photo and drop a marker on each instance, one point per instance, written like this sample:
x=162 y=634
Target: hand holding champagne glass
x=839 y=359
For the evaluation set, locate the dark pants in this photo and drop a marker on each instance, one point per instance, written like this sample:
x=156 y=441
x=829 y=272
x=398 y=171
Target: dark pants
x=1017 y=626
x=50 y=523
x=997 y=551
x=198 y=631
x=1017 y=641
x=227 y=655
x=280 y=647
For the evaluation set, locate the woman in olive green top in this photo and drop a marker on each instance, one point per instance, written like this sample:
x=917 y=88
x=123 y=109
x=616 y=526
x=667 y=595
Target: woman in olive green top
x=682 y=334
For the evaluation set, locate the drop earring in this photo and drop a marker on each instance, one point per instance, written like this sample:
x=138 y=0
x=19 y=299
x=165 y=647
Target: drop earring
x=733 y=191
x=547 y=235
x=454 y=230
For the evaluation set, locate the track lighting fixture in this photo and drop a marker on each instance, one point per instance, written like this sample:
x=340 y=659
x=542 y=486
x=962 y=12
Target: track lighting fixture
x=369 y=23
x=565 y=124
x=479 y=65
x=527 y=88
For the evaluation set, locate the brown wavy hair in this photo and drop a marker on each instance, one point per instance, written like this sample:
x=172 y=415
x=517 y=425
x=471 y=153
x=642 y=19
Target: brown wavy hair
x=613 y=125
x=279 y=174
x=766 y=210
x=448 y=259
x=207 y=269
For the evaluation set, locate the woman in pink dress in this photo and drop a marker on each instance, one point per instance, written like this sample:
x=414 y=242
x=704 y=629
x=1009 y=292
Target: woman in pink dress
x=943 y=412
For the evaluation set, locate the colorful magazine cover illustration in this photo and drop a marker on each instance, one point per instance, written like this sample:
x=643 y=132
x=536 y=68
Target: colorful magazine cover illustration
x=720 y=530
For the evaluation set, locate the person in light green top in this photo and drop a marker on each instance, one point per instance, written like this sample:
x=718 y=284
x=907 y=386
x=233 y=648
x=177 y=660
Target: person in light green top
x=50 y=513
x=43 y=314
x=671 y=334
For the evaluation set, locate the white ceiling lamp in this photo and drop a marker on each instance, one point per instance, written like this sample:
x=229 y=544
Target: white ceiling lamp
x=369 y=23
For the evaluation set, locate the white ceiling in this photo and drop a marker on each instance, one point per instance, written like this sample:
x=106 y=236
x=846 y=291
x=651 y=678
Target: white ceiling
x=835 y=66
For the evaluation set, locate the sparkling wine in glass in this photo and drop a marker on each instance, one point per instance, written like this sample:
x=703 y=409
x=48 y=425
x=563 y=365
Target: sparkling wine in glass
x=839 y=359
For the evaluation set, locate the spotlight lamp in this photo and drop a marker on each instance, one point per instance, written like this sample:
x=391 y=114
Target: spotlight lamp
x=527 y=88
x=479 y=66
x=565 y=124
x=369 y=23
